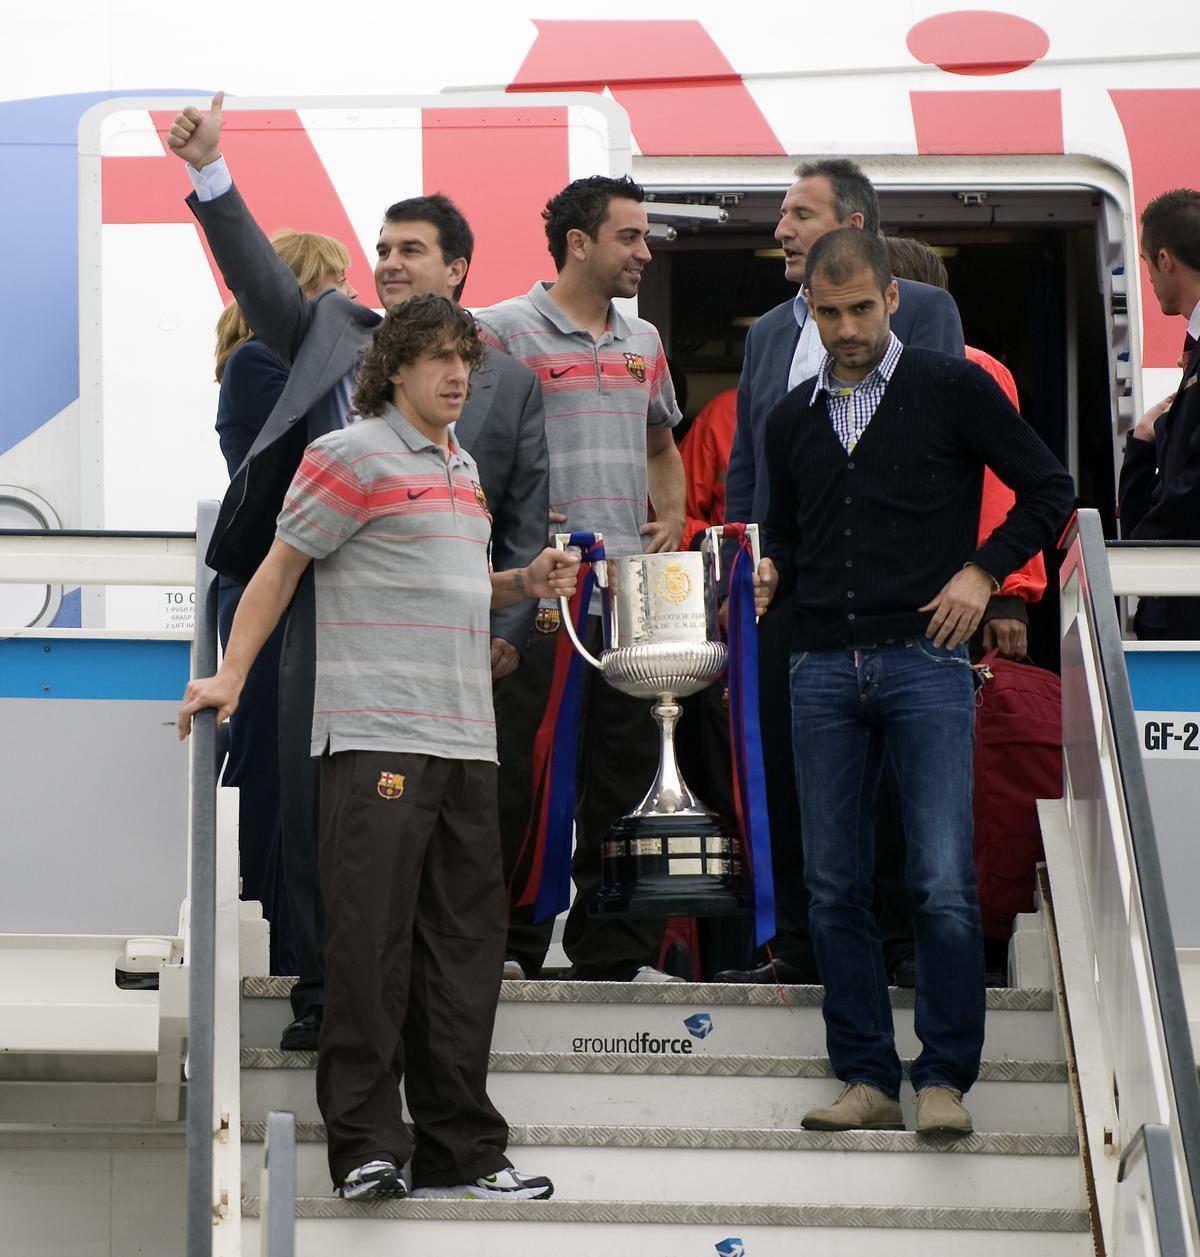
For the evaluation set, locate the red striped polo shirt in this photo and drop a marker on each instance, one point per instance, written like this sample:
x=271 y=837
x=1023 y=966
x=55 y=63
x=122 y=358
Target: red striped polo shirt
x=400 y=533
x=600 y=397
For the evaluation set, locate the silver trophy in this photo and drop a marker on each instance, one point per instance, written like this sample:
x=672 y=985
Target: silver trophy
x=671 y=855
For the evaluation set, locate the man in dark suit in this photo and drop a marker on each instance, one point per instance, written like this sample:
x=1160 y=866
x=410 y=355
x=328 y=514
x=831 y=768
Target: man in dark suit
x=782 y=350
x=424 y=245
x=1160 y=477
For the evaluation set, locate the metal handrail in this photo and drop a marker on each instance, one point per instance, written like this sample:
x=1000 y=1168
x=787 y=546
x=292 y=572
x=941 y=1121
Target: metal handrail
x=278 y=1217
x=201 y=953
x=1181 y=1066
x=1152 y=1144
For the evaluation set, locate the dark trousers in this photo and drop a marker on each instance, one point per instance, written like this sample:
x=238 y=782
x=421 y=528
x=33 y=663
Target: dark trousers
x=298 y=795
x=793 y=940
x=253 y=766
x=618 y=756
x=414 y=950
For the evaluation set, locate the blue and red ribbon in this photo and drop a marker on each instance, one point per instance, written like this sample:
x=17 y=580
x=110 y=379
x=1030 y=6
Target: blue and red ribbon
x=749 y=780
x=556 y=756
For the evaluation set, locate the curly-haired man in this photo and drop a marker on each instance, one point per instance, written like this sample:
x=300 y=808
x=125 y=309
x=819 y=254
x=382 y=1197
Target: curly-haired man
x=393 y=513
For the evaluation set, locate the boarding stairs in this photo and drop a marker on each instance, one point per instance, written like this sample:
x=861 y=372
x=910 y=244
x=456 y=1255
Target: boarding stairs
x=697 y=1147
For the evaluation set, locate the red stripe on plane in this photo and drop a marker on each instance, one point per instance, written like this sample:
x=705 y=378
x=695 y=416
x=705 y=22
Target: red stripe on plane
x=680 y=91
x=500 y=167
x=987 y=122
x=277 y=170
x=1158 y=124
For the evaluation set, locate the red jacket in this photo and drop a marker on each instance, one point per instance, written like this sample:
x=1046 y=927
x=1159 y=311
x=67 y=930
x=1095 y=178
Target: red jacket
x=1029 y=582
x=705 y=454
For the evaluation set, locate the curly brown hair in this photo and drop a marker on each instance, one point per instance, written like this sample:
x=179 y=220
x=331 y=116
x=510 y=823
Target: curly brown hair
x=417 y=326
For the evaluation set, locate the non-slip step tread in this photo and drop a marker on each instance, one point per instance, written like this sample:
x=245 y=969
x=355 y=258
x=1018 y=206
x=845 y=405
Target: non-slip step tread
x=755 y=1139
x=676 y=1065
x=939 y=1217
x=717 y=994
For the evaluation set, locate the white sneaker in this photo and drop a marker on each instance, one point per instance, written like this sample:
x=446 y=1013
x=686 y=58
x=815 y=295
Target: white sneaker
x=377 y=1180
x=503 y=1185
x=513 y=971
x=647 y=973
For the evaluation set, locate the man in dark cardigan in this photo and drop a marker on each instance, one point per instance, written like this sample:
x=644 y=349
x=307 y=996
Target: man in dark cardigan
x=876 y=470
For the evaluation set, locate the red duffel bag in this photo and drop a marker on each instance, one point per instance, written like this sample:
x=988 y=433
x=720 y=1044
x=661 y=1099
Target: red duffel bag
x=1018 y=760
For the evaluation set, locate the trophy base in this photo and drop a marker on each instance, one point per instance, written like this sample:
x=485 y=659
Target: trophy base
x=672 y=866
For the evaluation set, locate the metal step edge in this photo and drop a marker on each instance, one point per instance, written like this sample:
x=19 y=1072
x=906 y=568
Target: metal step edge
x=927 y=1218
x=676 y=1065
x=751 y=1139
x=718 y=994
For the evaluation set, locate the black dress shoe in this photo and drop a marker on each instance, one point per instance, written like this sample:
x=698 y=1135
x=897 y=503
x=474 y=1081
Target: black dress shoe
x=302 y=1034
x=779 y=972
x=904 y=972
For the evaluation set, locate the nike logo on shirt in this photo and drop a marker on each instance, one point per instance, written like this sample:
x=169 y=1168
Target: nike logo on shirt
x=413 y=494
x=555 y=375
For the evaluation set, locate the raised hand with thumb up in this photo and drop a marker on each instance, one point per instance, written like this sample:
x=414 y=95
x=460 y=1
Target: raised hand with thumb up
x=196 y=136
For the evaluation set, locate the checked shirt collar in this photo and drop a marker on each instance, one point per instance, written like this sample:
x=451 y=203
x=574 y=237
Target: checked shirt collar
x=850 y=409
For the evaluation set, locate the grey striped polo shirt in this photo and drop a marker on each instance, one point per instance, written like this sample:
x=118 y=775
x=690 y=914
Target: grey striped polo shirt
x=403 y=593
x=600 y=396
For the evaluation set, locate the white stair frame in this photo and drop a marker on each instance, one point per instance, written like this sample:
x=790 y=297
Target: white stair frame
x=1117 y=1003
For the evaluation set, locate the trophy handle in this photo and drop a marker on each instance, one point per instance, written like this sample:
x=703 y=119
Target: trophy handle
x=562 y=541
x=716 y=534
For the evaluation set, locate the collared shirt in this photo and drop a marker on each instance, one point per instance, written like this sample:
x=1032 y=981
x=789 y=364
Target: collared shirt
x=850 y=409
x=806 y=361
x=210 y=181
x=600 y=396
x=401 y=531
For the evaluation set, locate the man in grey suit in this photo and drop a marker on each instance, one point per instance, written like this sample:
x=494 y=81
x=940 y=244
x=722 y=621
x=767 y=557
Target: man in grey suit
x=782 y=350
x=424 y=245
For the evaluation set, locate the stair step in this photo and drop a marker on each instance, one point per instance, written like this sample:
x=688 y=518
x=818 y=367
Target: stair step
x=757 y=1066
x=72 y=1101
x=653 y=1229
x=712 y=1017
x=740 y=1091
x=761 y=1166
x=725 y=994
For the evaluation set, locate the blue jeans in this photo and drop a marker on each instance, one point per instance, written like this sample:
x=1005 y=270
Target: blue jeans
x=913 y=702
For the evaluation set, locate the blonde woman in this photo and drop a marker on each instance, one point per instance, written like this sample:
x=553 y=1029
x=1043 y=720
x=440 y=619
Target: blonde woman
x=250 y=375
x=252 y=379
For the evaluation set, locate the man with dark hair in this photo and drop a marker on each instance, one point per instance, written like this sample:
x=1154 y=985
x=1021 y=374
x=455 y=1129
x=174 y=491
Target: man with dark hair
x=610 y=408
x=402 y=727
x=407 y=257
x=320 y=341
x=583 y=206
x=876 y=468
x=783 y=349
x=1160 y=477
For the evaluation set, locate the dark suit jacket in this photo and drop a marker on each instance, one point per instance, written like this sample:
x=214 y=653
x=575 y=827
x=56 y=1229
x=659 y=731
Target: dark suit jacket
x=253 y=381
x=503 y=424
x=1159 y=495
x=927 y=318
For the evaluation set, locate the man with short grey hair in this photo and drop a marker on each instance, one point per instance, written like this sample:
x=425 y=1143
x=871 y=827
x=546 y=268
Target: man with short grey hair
x=782 y=350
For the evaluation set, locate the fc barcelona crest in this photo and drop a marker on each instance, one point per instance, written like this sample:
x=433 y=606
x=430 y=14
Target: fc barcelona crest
x=547 y=620
x=635 y=364
x=481 y=498
x=390 y=786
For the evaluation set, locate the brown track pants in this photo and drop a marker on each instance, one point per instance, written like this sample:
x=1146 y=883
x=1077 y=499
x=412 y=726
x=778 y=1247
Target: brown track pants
x=414 y=949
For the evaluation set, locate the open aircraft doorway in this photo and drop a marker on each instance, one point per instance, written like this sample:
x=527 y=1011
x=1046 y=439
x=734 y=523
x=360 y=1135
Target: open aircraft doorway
x=1031 y=271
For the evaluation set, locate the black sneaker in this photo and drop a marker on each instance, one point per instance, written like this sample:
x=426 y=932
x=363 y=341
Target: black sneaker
x=302 y=1034
x=377 y=1180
